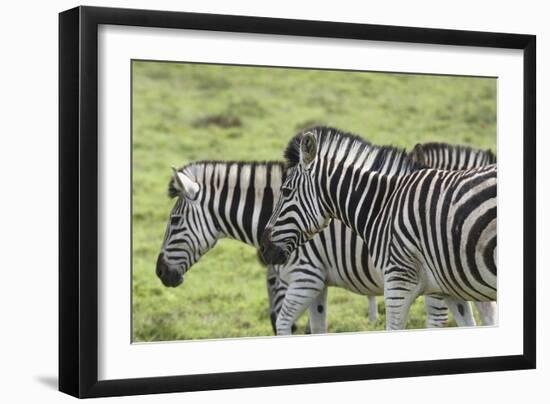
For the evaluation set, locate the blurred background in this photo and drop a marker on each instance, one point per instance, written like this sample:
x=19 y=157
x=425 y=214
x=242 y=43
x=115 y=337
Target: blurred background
x=184 y=112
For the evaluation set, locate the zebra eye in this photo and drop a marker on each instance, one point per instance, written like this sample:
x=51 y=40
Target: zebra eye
x=174 y=220
x=286 y=192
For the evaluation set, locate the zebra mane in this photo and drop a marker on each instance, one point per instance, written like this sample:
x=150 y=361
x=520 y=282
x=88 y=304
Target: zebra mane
x=343 y=145
x=190 y=168
x=420 y=151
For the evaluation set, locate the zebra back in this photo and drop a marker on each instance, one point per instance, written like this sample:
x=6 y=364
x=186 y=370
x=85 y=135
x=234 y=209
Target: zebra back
x=445 y=156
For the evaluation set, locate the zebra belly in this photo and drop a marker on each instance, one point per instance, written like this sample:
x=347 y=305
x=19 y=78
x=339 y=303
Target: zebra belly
x=357 y=289
x=463 y=287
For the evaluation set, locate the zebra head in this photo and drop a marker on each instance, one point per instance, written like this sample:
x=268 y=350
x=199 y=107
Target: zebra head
x=189 y=232
x=299 y=213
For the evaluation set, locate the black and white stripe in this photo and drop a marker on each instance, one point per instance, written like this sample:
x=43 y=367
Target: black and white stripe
x=429 y=231
x=444 y=156
x=236 y=199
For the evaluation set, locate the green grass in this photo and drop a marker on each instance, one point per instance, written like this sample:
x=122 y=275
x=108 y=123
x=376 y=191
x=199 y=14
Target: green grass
x=186 y=112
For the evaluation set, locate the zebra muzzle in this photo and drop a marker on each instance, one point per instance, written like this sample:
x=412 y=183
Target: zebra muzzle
x=272 y=253
x=169 y=276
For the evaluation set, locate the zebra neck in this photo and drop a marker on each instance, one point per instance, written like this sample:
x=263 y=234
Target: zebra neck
x=361 y=196
x=243 y=198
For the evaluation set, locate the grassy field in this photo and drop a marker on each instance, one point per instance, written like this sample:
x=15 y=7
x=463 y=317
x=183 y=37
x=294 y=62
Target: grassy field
x=186 y=112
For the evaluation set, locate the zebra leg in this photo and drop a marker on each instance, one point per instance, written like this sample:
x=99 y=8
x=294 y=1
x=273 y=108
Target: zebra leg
x=437 y=312
x=276 y=290
x=318 y=314
x=462 y=311
x=302 y=290
x=487 y=312
x=373 y=309
x=272 y=278
x=401 y=288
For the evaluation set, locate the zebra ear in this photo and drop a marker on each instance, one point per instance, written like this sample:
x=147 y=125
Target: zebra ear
x=308 y=148
x=185 y=184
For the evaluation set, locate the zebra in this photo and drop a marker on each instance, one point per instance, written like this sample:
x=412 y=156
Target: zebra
x=438 y=155
x=235 y=199
x=429 y=231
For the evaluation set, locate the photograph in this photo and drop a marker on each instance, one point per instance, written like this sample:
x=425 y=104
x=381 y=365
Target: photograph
x=258 y=201
x=273 y=200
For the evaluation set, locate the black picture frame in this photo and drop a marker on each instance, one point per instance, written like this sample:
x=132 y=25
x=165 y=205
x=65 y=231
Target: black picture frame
x=78 y=200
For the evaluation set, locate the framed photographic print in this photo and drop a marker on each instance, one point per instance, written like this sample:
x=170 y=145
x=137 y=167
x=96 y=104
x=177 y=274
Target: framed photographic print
x=178 y=136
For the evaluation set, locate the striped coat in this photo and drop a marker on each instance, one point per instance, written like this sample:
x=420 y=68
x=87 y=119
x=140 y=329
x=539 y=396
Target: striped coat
x=429 y=231
x=235 y=199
